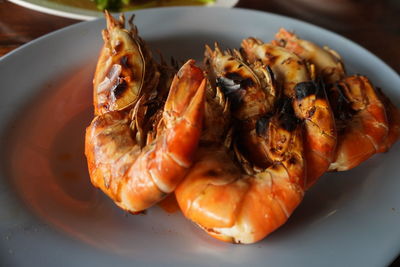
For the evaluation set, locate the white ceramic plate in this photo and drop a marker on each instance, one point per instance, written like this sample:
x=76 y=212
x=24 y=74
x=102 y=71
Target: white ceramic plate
x=73 y=12
x=50 y=215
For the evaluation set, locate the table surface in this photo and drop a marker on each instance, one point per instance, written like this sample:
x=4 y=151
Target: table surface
x=373 y=24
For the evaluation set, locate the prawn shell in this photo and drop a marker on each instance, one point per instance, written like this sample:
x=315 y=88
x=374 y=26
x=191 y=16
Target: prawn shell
x=202 y=189
x=366 y=129
x=327 y=61
x=287 y=67
x=120 y=70
x=237 y=206
x=320 y=138
x=137 y=173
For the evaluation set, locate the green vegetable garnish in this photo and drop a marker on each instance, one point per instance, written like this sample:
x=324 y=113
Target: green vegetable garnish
x=118 y=5
x=113 y=5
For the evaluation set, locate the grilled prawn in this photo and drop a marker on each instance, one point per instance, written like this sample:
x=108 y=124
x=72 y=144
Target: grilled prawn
x=361 y=119
x=312 y=104
x=137 y=174
x=222 y=192
x=251 y=93
x=330 y=67
x=233 y=205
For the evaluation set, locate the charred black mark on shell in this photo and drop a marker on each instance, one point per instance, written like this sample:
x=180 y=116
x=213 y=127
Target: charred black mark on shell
x=304 y=89
x=288 y=122
x=262 y=126
x=271 y=73
x=120 y=88
x=233 y=85
x=340 y=104
x=234 y=76
x=125 y=62
x=311 y=111
x=292 y=160
x=238 y=79
x=287 y=118
x=227 y=86
x=321 y=90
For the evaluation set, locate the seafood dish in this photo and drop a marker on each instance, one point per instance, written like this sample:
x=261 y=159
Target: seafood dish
x=238 y=138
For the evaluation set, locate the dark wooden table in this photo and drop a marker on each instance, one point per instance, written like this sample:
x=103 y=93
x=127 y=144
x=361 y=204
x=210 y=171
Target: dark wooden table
x=371 y=23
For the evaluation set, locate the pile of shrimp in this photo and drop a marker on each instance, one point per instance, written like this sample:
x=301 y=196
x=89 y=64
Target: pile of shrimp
x=239 y=139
